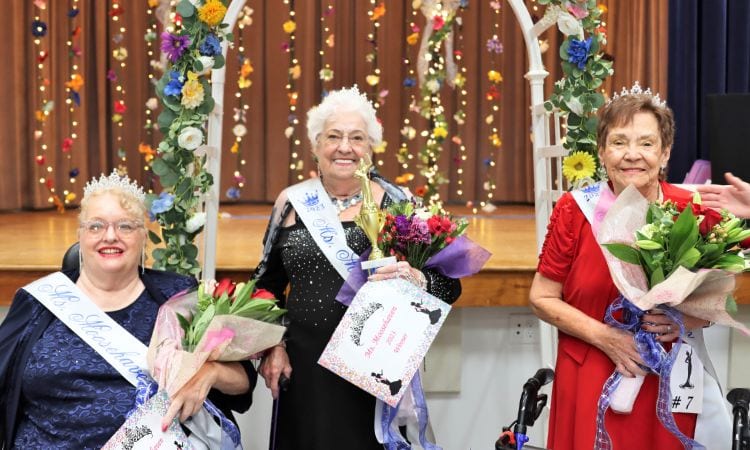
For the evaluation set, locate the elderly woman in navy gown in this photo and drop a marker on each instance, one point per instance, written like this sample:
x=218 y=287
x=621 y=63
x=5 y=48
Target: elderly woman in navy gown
x=320 y=410
x=57 y=391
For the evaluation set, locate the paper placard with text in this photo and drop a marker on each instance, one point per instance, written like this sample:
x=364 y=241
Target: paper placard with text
x=142 y=430
x=383 y=337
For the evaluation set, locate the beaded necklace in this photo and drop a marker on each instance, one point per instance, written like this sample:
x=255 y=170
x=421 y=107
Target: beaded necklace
x=343 y=204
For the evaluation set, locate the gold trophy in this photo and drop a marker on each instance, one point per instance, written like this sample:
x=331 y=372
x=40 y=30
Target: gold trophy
x=370 y=218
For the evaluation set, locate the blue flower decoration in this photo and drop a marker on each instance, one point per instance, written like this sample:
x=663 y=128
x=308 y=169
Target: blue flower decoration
x=211 y=46
x=409 y=82
x=578 y=52
x=174 y=87
x=463 y=3
x=74 y=173
x=73 y=12
x=38 y=28
x=75 y=97
x=487 y=162
x=233 y=193
x=291 y=118
x=161 y=204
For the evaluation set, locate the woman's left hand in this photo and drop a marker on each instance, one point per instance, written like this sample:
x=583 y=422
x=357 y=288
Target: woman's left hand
x=401 y=269
x=189 y=399
x=666 y=330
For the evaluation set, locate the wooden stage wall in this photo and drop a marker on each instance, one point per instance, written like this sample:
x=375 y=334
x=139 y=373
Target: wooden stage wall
x=34 y=243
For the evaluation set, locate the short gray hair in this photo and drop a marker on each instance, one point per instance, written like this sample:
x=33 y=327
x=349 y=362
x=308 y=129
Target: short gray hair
x=343 y=100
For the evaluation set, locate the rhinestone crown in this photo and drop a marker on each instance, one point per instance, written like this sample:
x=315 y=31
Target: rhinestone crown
x=636 y=90
x=114 y=181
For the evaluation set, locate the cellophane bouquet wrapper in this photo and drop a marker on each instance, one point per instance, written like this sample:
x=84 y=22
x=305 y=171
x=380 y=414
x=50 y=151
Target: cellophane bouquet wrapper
x=699 y=294
x=227 y=338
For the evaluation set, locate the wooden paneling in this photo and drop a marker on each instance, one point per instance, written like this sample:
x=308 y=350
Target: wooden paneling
x=35 y=242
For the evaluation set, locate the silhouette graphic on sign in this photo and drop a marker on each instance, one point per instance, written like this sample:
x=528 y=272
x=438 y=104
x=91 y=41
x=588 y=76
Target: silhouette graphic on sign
x=689 y=360
x=434 y=315
x=394 y=386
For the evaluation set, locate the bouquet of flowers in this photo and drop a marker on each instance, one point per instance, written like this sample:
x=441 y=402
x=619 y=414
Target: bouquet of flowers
x=425 y=237
x=217 y=322
x=415 y=234
x=680 y=258
x=662 y=253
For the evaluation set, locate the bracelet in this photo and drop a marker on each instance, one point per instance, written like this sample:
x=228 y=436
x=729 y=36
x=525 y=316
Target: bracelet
x=419 y=280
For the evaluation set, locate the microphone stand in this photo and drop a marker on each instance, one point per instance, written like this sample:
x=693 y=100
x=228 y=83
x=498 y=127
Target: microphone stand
x=740 y=399
x=530 y=407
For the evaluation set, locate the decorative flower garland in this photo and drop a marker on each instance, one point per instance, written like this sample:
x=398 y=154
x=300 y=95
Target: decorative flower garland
x=192 y=50
x=296 y=158
x=117 y=68
x=435 y=70
x=577 y=94
x=239 y=129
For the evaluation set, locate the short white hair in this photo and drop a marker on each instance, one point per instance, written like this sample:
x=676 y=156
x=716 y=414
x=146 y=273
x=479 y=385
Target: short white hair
x=348 y=100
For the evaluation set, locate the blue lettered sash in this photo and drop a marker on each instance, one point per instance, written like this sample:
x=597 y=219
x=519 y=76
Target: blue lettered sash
x=313 y=205
x=114 y=343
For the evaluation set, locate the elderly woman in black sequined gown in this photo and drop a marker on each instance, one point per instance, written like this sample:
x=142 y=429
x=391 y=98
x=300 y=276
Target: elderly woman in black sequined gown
x=320 y=410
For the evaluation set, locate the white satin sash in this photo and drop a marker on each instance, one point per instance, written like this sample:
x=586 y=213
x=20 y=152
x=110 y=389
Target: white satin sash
x=313 y=205
x=113 y=342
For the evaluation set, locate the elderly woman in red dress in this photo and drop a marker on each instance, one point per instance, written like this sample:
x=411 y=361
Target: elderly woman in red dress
x=573 y=288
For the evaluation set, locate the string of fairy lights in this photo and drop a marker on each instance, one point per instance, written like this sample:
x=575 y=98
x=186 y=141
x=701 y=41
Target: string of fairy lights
x=239 y=129
x=409 y=108
x=42 y=49
x=492 y=120
x=146 y=146
x=372 y=79
x=72 y=101
x=296 y=161
x=434 y=131
x=458 y=155
x=327 y=40
x=117 y=68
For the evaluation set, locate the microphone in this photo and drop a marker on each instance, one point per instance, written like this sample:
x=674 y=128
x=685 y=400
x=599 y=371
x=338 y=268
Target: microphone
x=531 y=405
x=740 y=400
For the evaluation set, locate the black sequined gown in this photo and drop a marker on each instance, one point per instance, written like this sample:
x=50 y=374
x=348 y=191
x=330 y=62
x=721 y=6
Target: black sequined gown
x=321 y=410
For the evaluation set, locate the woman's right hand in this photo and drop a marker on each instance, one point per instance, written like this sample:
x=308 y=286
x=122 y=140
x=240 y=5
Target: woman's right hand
x=275 y=363
x=620 y=347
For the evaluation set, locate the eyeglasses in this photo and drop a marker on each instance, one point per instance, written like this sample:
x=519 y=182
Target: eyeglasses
x=98 y=227
x=356 y=139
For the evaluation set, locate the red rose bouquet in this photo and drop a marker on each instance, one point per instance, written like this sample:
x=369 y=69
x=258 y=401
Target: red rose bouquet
x=415 y=234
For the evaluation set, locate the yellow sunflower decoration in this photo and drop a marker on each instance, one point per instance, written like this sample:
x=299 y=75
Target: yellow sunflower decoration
x=578 y=165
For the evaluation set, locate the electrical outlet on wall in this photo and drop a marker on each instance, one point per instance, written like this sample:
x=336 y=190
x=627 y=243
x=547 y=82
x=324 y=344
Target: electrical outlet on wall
x=524 y=328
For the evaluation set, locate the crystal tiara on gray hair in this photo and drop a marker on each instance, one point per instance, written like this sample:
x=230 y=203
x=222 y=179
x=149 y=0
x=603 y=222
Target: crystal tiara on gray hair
x=114 y=181
x=636 y=90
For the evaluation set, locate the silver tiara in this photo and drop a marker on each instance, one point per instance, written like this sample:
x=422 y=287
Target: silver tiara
x=636 y=90
x=114 y=181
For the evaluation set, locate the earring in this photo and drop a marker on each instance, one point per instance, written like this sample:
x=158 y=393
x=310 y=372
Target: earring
x=80 y=261
x=316 y=159
x=143 y=260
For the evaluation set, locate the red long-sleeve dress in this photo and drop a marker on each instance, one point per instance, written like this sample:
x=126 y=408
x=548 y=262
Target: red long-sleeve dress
x=571 y=256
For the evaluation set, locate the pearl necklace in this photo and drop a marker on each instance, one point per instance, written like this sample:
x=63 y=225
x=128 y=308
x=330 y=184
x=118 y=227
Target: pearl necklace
x=346 y=203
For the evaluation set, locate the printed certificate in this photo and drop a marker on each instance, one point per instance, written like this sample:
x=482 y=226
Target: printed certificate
x=383 y=337
x=142 y=430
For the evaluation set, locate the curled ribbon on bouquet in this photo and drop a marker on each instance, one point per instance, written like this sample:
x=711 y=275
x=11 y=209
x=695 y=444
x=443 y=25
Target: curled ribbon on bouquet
x=656 y=359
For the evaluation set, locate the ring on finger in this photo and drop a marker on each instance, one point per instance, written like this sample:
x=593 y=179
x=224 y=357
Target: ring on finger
x=669 y=329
